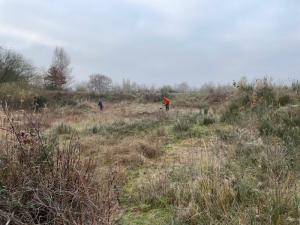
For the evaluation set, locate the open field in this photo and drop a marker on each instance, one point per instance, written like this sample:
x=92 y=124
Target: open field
x=230 y=163
x=149 y=112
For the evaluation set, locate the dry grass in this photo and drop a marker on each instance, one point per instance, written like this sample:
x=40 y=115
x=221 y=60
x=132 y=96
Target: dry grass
x=227 y=164
x=131 y=152
x=43 y=182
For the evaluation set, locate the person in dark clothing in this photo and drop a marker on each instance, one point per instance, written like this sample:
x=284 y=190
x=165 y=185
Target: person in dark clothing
x=100 y=104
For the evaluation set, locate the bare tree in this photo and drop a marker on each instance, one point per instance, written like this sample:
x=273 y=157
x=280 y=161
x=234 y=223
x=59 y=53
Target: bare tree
x=166 y=90
x=183 y=87
x=99 y=83
x=14 y=67
x=59 y=72
x=129 y=86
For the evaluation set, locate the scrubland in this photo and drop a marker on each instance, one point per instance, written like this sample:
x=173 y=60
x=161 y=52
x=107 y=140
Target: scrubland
x=226 y=156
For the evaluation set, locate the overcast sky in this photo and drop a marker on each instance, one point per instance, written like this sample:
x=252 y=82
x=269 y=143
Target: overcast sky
x=159 y=41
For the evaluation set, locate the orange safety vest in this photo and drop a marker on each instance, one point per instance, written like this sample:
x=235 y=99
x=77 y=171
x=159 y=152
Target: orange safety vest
x=166 y=101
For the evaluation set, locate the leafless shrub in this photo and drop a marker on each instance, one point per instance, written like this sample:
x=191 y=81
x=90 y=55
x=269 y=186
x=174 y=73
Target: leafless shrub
x=99 y=83
x=45 y=182
x=14 y=67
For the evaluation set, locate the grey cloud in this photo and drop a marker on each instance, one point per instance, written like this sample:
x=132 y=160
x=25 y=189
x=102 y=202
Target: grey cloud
x=159 y=41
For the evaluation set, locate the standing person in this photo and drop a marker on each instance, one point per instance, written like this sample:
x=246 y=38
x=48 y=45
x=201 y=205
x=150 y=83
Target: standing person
x=100 y=104
x=166 y=102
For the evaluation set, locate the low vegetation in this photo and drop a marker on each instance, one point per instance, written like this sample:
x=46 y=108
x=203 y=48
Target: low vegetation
x=45 y=182
x=219 y=156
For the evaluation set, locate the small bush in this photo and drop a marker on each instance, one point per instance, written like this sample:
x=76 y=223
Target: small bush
x=231 y=114
x=245 y=86
x=266 y=127
x=266 y=95
x=186 y=122
x=284 y=100
x=39 y=102
x=166 y=91
x=17 y=95
x=43 y=182
x=70 y=102
x=247 y=190
x=61 y=98
x=205 y=111
x=198 y=131
x=183 y=125
x=208 y=121
x=192 y=125
x=282 y=124
x=152 y=97
x=246 y=100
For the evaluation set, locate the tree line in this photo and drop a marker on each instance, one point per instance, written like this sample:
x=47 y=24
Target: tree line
x=16 y=68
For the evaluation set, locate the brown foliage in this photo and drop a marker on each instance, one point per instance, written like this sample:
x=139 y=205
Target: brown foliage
x=44 y=182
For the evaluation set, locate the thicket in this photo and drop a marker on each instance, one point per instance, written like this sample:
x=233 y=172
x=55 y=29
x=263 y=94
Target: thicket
x=44 y=182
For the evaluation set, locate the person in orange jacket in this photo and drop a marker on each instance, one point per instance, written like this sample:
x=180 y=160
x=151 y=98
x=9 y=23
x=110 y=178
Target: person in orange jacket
x=166 y=102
